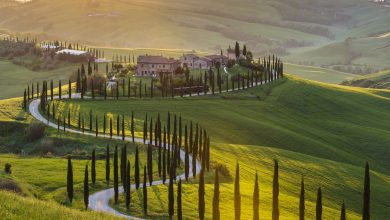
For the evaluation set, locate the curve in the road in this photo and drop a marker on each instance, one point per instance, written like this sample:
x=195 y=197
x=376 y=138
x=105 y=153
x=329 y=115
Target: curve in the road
x=99 y=201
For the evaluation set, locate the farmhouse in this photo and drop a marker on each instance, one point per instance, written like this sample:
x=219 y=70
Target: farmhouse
x=231 y=53
x=192 y=61
x=153 y=65
x=73 y=52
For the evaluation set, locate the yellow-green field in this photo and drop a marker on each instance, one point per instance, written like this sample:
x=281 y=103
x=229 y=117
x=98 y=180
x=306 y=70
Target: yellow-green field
x=317 y=130
x=14 y=78
x=13 y=206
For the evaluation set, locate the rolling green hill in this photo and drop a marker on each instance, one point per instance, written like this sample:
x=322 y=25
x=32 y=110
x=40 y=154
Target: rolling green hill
x=314 y=129
x=13 y=206
x=362 y=53
x=379 y=80
x=318 y=73
x=15 y=78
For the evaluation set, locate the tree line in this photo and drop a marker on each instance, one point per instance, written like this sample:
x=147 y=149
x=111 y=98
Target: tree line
x=122 y=170
x=167 y=141
x=209 y=83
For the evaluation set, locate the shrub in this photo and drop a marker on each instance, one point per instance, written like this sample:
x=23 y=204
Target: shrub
x=7 y=168
x=36 y=130
x=223 y=170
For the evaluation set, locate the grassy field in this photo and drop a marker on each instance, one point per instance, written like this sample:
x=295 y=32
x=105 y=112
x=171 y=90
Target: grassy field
x=317 y=73
x=14 y=78
x=358 y=52
x=39 y=166
x=380 y=80
x=314 y=129
x=13 y=206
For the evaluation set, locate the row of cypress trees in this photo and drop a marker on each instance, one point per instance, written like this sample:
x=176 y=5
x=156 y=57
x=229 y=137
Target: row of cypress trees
x=267 y=72
x=196 y=139
x=275 y=197
x=167 y=162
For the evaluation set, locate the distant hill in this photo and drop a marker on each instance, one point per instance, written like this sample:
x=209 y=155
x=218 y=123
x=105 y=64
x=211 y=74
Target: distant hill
x=380 y=80
x=355 y=55
x=265 y=26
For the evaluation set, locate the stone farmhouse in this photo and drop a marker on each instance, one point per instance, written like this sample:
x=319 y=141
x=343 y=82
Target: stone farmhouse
x=148 y=65
x=194 y=62
x=231 y=53
x=154 y=65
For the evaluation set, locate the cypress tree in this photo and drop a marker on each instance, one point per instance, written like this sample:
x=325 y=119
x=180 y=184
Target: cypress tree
x=193 y=161
x=256 y=200
x=158 y=135
x=132 y=126
x=208 y=154
x=201 y=203
x=237 y=194
x=107 y=164
x=96 y=126
x=140 y=89
x=59 y=89
x=366 y=194
x=24 y=101
x=319 y=205
x=275 y=192
x=186 y=157
x=104 y=124
x=169 y=131
x=170 y=197
x=28 y=92
x=69 y=184
x=117 y=125
x=128 y=185
x=93 y=167
x=68 y=118
x=136 y=169
x=123 y=127
x=179 y=206
x=122 y=163
x=237 y=50
x=78 y=121
x=110 y=127
x=150 y=164
x=164 y=166
x=302 y=201
x=86 y=188
x=145 y=193
x=151 y=131
x=342 y=212
x=216 y=213
x=116 y=174
x=51 y=90
x=70 y=90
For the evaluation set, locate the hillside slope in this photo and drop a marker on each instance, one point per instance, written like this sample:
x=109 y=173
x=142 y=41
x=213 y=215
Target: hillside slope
x=379 y=80
x=315 y=129
x=362 y=53
x=13 y=206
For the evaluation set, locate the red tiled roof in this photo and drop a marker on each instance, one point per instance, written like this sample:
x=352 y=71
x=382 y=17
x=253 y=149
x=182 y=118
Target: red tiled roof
x=155 y=59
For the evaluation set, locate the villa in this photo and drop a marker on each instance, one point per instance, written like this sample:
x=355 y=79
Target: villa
x=192 y=61
x=154 y=65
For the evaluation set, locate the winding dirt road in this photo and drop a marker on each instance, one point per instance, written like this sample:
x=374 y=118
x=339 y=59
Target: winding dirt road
x=99 y=201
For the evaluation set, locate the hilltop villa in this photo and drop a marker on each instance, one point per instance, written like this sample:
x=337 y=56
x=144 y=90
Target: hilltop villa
x=152 y=65
x=194 y=62
x=148 y=65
